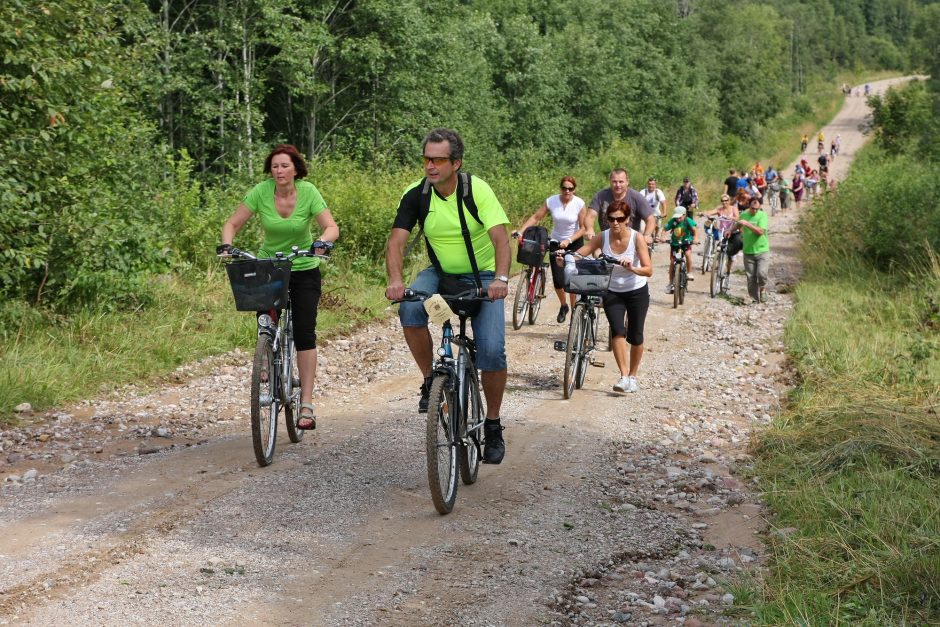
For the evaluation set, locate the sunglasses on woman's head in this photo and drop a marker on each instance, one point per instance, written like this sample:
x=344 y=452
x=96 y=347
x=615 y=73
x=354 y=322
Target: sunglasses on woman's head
x=620 y=220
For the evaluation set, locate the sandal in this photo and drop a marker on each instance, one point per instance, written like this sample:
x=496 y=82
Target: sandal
x=307 y=420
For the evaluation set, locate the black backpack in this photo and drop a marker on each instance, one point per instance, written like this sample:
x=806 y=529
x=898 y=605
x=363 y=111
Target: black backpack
x=532 y=246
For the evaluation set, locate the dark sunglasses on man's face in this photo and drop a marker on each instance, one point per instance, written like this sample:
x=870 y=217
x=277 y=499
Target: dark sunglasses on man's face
x=438 y=161
x=620 y=219
x=567 y=189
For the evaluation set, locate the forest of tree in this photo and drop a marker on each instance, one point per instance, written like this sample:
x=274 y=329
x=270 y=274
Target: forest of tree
x=120 y=119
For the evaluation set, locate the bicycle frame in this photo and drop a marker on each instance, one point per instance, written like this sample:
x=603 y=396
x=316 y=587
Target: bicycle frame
x=457 y=367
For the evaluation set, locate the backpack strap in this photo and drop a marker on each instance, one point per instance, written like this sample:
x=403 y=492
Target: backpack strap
x=424 y=208
x=464 y=230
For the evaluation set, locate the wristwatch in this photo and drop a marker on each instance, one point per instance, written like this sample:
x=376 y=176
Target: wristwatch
x=503 y=278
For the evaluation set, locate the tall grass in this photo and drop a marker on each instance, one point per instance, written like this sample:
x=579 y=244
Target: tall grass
x=853 y=464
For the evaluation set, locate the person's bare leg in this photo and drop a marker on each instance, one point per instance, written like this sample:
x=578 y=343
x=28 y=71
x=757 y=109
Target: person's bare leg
x=560 y=293
x=636 y=353
x=619 y=347
x=307 y=367
x=419 y=341
x=494 y=384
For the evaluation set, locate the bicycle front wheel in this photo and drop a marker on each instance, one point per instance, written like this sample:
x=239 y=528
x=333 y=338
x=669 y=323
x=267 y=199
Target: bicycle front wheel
x=538 y=294
x=588 y=339
x=291 y=382
x=521 y=301
x=441 y=443
x=706 y=252
x=265 y=404
x=683 y=283
x=714 y=285
x=471 y=428
x=676 y=285
x=573 y=349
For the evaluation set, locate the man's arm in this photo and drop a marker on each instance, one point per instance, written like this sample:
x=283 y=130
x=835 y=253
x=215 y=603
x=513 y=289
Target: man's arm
x=394 y=262
x=500 y=239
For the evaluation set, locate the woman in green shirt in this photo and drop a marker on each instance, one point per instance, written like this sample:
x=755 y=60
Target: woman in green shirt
x=287 y=207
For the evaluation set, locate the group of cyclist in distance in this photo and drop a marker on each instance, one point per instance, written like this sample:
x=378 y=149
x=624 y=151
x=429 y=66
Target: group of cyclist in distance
x=466 y=231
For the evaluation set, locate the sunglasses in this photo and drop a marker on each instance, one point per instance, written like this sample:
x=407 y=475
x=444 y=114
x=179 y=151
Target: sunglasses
x=435 y=160
x=619 y=220
x=567 y=189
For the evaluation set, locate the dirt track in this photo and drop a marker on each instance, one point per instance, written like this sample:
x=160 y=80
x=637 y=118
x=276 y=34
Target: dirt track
x=608 y=508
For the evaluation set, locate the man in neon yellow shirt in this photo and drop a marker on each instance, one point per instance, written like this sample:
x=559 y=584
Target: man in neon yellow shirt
x=433 y=201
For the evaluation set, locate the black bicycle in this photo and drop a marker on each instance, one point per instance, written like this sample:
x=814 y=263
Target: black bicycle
x=261 y=286
x=591 y=281
x=455 y=416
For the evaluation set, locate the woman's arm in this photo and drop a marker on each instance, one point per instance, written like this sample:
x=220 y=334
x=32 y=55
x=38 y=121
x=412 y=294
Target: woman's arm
x=582 y=225
x=235 y=223
x=328 y=225
x=535 y=218
x=643 y=252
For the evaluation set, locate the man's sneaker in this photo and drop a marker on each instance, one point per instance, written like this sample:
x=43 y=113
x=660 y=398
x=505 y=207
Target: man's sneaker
x=494 y=447
x=669 y=288
x=622 y=385
x=631 y=384
x=562 y=313
x=425 y=393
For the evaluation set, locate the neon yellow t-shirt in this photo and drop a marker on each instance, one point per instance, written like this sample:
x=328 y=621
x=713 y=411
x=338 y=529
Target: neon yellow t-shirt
x=442 y=226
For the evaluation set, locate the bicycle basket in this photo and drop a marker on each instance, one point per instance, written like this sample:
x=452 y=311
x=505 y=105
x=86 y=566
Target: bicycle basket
x=532 y=246
x=591 y=278
x=259 y=284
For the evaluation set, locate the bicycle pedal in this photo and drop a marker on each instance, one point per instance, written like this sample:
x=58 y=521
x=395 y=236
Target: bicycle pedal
x=597 y=364
x=561 y=346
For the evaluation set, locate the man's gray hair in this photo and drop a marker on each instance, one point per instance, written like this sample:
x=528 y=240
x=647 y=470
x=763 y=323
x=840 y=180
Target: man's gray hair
x=446 y=135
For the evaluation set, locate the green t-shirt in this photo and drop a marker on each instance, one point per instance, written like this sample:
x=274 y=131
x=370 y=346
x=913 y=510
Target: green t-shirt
x=681 y=230
x=442 y=226
x=755 y=244
x=282 y=233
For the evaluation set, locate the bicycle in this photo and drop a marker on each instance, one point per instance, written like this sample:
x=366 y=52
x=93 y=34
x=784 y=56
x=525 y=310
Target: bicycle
x=720 y=279
x=581 y=344
x=708 y=252
x=454 y=436
x=680 y=276
x=261 y=286
x=529 y=293
x=773 y=197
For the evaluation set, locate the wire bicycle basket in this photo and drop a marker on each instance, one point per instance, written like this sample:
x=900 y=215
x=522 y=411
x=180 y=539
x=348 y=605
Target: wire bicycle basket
x=259 y=284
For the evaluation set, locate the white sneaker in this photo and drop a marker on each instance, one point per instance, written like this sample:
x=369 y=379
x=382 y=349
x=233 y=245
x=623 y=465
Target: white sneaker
x=669 y=288
x=631 y=384
x=623 y=385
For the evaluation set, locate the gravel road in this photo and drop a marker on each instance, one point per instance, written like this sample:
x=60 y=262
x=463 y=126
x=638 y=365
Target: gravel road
x=146 y=506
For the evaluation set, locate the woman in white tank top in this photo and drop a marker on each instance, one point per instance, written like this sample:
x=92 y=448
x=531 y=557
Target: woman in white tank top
x=568 y=220
x=628 y=298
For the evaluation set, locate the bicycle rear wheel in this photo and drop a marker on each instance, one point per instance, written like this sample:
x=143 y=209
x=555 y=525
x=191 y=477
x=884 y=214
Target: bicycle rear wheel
x=291 y=382
x=441 y=444
x=573 y=349
x=471 y=428
x=537 y=295
x=265 y=403
x=521 y=302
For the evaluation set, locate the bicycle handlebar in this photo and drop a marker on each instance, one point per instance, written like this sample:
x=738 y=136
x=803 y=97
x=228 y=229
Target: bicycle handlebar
x=236 y=253
x=603 y=257
x=411 y=296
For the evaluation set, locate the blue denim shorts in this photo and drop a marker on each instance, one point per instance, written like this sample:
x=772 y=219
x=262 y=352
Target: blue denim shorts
x=489 y=326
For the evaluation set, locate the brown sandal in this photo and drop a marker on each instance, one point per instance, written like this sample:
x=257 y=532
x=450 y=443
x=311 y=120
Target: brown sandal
x=307 y=420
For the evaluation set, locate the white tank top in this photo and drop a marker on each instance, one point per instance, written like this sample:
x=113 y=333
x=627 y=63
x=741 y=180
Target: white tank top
x=622 y=280
x=564 y=217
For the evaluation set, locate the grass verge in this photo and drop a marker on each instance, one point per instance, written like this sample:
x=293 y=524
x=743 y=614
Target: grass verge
x=852 y=467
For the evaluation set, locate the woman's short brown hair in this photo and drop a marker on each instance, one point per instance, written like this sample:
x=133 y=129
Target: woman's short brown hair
x=618 y=205
x=291 y=151
x=568 y=179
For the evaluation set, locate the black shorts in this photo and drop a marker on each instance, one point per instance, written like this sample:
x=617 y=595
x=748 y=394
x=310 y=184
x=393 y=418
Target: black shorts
x=305 y=289
x=630 y=307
